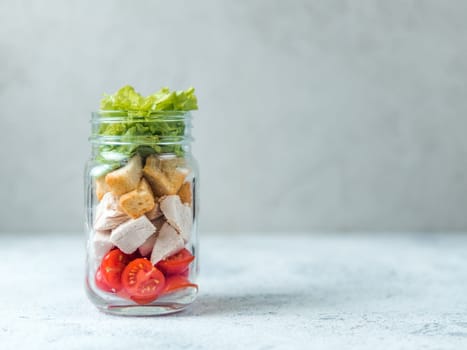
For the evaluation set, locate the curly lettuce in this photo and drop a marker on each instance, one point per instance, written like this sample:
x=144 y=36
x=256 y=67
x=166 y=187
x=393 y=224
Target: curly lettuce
x=128 y=100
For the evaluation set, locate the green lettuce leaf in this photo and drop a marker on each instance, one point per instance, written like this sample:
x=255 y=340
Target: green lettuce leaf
x=128 y=100
x=142 y=120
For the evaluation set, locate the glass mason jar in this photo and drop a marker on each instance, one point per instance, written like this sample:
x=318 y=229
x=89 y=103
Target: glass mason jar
x=141 y=200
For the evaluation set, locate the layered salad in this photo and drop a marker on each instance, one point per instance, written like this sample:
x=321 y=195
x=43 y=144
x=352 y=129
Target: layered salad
x=140 y=244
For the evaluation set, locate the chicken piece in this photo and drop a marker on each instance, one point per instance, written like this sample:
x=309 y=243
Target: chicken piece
x=101 y=244
x=132 y=234
x=179 y=215
x=146 y=248
x=155 y=212
x=126 y=178
x=138 y=201
x=109 y=214
x=168 y=242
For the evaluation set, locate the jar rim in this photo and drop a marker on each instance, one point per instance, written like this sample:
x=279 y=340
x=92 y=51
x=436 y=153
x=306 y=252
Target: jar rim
x=119 y=116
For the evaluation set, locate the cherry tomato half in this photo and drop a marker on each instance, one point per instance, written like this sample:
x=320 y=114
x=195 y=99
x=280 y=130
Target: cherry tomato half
x=177 y=263
x=142 y=281
x=176 y=282
x=100 y=283
x=125 y=295
x=112 y=266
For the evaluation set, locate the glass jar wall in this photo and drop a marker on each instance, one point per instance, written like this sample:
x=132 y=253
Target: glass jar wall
x=141 y=213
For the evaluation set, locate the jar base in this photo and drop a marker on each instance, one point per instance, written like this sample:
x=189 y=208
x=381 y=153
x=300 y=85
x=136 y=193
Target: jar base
x=172 y=303
x=138 y=310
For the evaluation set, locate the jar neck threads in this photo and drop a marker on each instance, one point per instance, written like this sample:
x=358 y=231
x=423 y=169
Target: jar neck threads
x=124 y=133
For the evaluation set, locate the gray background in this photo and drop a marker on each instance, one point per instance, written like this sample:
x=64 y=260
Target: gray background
x=314 y=115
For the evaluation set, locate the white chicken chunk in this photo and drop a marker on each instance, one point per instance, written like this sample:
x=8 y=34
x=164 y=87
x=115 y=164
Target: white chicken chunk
x=179 y=215
x=168 y=242
x=130 y=235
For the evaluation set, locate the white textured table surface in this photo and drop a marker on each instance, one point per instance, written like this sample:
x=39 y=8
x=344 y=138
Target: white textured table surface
x=334 y=291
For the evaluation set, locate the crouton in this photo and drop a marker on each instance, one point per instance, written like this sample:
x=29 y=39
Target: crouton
x=177 y=179
x=167 y=163
x=185 y=193
x=160 y=184
x=139 y=201
x=126 y=178
x=101 y=187
x=163 y=183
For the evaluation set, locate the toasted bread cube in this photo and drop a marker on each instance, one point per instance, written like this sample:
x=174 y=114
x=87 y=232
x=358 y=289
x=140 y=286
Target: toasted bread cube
x=101 y=187
x=185 y=193
x=126 y=178
x=139 y=201
x=178 y=178
x=162 y=183
x=167 y=163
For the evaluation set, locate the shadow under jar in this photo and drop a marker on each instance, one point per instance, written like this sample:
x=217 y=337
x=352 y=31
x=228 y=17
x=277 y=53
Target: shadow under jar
x=141 y=201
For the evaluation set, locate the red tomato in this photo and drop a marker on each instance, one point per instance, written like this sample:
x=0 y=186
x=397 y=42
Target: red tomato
x=125 y=295
x=177 y=263
x=112 y=266
x=143 y=301
x=142 y=281
x=122 y=293
x=176 y=282
x=100 y=283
